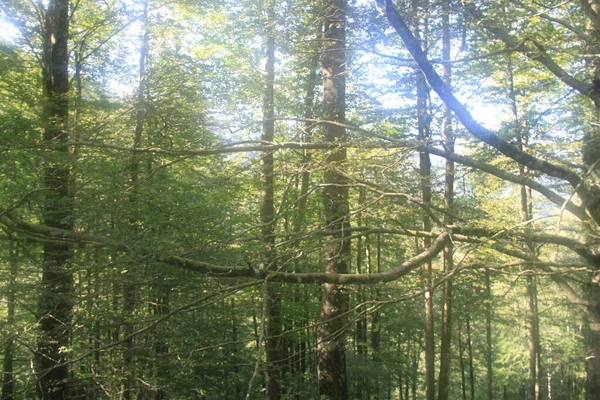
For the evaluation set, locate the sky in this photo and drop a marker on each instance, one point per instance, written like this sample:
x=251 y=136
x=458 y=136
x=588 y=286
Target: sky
x=8 y=32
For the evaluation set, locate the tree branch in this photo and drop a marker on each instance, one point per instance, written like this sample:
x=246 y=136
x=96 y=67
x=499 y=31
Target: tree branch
x=560 y=201
x=78 y=239
x=462 y=114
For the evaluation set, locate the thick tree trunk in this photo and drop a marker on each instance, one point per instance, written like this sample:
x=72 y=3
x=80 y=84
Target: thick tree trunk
x=332 y=331
x=55 y=305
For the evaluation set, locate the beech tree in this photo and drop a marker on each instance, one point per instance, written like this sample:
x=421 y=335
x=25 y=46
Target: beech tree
x=55 y=312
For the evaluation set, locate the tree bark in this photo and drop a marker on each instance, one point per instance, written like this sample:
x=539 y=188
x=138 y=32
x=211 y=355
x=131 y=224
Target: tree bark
x=130 y=287
x=470 y=353
x=446 y=329
x=534 y=384
x=591 y=157
x=488 y=339
x=332 y=375
x=592 y=389
x=461 y=358
x=424 y=134
x=55 y=304
x=375 y=321
x=300 y=349
x=361 y=321
x=267 y=216
x=160 y=306
x=8 y=378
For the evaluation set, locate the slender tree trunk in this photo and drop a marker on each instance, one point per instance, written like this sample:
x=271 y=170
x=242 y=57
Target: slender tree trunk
x=332 y=375
x=376 y=320
x=235 y=350
x=592 y=391
x=369 y=260
x=591 y=158
x=8 y=378
x=415 y=371
x=463 y=380
x=299 y=217
x=361 y=322
x=376 y=315
x=534 y=384
x=401 y=370
x=309 y=103
x=446 y=329
x=130 y=287
x=267 y=216
x=425 y=172
x=161 y=307
x=488 y=338
x=550 y=388
x=55 y=305
x=470 y=352
x=93 y=291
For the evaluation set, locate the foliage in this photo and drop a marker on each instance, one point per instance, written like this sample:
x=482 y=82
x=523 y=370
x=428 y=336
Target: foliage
x=194 y=334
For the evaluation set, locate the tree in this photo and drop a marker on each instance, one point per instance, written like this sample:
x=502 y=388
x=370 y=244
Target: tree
x=55 y=308
x=267 y=214
x=332 y=333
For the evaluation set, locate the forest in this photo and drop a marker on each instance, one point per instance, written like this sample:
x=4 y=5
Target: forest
x=300 y=199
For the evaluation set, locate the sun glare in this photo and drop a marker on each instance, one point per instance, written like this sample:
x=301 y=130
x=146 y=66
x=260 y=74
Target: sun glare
x=8 y=32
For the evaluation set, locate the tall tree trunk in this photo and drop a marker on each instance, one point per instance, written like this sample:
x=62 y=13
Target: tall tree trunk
x=425 y=172
x=267 y=216
x=415 y=370
x=470 y=353
x=8 y=378
x=376 y=320
x=463 y=380
x=534 y=386
x=300 y=214
x=361 y=321
x=591 y=157
x=332 y=331
x=446 y=329
x=55 y=305
x=235 y=349
x=534 y=383
x=129 y=277
x=488 y=339
x=160 y=307
x=592 y=389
